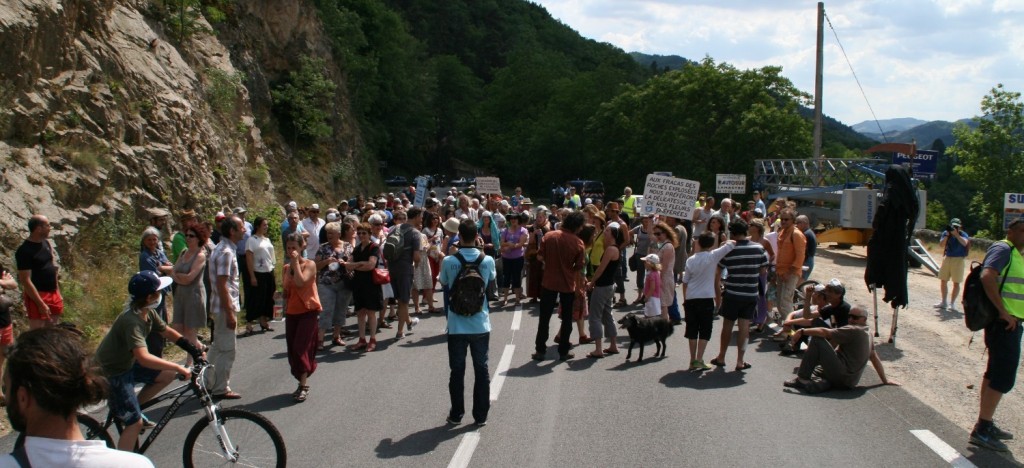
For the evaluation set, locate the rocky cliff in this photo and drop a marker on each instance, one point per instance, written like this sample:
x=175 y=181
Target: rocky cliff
x=102 y=109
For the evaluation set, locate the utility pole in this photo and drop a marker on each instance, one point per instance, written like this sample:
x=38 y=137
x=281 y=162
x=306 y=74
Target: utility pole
x=816 y=150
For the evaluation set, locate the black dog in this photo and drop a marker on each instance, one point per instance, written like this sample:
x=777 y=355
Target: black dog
x=644 y=329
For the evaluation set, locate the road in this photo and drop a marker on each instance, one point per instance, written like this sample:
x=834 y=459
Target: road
x=388 y=408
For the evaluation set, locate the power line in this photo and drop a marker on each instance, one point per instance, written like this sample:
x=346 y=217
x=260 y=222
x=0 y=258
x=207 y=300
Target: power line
x=862 y=93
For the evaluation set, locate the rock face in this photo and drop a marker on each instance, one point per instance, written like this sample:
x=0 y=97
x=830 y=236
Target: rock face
x=101 y=110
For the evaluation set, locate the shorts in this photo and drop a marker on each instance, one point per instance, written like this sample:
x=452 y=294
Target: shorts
x=123 y=402
x=700 y=317
x=50 y=298
x=401 y=284
x=7 y=335
x=734 y=308
x=1003 y=355
x=952 y=269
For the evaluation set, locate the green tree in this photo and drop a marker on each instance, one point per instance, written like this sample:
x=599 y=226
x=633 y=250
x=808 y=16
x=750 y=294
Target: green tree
x=307 y=99
x=700 y=121
x=991 y=157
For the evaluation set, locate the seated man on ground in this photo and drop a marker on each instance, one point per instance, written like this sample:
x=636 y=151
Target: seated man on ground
x=815 y=300
x=842 y=366
x=833 y=314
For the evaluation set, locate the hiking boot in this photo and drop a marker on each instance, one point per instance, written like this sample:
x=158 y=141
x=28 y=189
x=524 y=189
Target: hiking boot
x=986 y=438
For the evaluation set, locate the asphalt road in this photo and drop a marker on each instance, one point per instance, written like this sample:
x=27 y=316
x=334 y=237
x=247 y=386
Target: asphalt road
x=388 y=408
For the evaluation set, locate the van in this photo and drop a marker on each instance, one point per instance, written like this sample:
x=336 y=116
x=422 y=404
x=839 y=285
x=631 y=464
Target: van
x=593 y=189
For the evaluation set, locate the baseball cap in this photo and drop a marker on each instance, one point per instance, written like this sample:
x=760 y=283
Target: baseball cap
x=955 y=222
x=835 y=285
x=239 y=210
x=219 y=216
x=145 y=283
x=292 y=206
x=315 y=207
x=332 y=216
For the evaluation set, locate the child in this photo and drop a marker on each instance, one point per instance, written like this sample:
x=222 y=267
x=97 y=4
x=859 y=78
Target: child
x=652 y=285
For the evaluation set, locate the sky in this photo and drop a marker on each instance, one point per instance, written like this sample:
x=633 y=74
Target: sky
x=927 y=59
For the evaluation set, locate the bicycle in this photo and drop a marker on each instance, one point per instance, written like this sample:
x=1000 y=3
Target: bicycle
x=221 y=437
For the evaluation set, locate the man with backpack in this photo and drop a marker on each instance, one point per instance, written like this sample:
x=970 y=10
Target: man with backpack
x=401 y=251
x=467 y=274
x=1003 y=280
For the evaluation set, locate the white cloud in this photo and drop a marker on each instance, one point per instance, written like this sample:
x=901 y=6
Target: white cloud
x=930 y=59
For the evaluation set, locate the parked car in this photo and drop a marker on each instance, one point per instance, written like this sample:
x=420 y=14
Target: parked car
x=593 y=189
x=396 y=181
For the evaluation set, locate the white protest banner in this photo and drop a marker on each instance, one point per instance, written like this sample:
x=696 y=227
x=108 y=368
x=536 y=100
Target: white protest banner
x=488 y=185
x=1013 y=208
x=731 y=183
x=421 y=191
x=670 y=196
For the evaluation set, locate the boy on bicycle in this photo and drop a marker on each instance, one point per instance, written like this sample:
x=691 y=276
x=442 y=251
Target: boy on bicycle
x=125 y=360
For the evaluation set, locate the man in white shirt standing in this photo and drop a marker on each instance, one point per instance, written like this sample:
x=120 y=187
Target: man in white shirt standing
x=699 y=295
x=313 y=224
x=48 y=379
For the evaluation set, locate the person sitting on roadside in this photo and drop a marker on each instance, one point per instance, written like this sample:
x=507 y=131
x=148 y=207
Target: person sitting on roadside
x=841 y=366
x=125 y=360
x=48 y=379
x=814 y=299
x=834 y=314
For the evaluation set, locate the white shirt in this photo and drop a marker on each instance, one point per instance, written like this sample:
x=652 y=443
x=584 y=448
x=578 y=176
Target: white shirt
x=701 y=222
x=75 y=454
x=262 y=254
x=313 y=241
x=699 y=275
x=773 y=239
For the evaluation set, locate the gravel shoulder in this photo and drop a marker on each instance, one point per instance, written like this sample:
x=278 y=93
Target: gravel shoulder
x=931 y=356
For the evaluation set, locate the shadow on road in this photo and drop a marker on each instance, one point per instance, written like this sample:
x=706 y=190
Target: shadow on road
x=270 y=403
x=419 y=443
x=427 y=341
x=533 y=369
x=629 y=364
x=716 y=378
x=984 y=457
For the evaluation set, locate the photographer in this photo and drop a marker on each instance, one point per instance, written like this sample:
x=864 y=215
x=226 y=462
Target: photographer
x=954 y=255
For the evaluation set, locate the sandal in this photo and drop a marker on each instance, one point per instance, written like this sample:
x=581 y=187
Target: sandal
x=611 y=351
x=717 y=363
x=372 y=345
x=266 y=328
x=337 y=342
x=384 y=325
x=591 y=355
x=745 y=366
x=586 y=340
x=302 y=393
x=359 y=345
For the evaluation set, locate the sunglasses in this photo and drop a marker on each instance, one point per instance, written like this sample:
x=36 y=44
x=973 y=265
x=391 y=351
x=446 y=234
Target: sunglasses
x=191 y=236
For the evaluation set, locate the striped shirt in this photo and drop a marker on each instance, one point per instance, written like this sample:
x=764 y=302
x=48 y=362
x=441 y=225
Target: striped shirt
x=744 y=264
x=223 y=263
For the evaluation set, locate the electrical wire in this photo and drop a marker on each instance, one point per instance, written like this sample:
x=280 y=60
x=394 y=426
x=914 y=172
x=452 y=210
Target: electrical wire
x=862 y=93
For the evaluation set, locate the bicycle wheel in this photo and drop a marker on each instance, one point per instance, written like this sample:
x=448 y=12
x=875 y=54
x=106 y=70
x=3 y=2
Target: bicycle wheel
x=255 y=439
x=93 y=430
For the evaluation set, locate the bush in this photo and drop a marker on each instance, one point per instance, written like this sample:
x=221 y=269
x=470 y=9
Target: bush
x=307 y=99
x=222 y=88
x=935 y=216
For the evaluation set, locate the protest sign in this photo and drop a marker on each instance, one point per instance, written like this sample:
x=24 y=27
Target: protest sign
x=731 y=183
x=488 y=185
x=670 y=196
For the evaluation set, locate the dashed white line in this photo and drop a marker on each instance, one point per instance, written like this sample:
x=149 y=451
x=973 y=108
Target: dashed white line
x=942 y=449
x=517 y=318
x=465 y=451
x=499 y=374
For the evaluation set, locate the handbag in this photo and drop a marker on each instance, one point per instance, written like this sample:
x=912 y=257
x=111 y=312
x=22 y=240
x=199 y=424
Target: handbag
x=381 y=276
x=634 y=261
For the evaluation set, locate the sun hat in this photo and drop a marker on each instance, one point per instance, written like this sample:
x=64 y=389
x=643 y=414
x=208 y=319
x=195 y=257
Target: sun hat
x=145 y=283
x=451 y=225
x=652 y=259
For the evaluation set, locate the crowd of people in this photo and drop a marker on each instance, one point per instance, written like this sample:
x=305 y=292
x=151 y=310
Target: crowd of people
x=380 y=261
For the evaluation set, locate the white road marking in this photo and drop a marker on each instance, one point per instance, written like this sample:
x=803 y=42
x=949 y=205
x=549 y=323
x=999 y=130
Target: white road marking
x=499 y=374
x=942 y=449
x=465 y=451
x=517 y=317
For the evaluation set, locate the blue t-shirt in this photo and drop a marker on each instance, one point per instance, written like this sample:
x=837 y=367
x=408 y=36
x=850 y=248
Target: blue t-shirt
x=953 y=247
x=450 y=269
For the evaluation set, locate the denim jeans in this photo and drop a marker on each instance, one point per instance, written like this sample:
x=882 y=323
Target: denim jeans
x=478 y=345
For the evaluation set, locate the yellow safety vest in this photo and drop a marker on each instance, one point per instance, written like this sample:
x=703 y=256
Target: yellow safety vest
x=1013 y=288
x=629 y=206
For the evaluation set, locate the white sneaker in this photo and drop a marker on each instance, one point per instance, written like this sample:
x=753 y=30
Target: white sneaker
x=941 y=305
x=413 y=322
x=952 y=308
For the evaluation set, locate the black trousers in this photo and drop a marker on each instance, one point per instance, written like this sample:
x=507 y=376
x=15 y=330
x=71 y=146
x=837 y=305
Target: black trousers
x=547 y=307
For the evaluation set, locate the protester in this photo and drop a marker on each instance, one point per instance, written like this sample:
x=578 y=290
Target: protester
x=739 y=300
x=38 y=268
x=756 y=233
x=789 y=260
x=152 y=258
x=666 y=246
x=513 y=250
x=403 y=266
x=190 y=292
x=535 y=267
x=49 y=379
x=803 y=223
x=1003 y=280
x=473 y=332
x=699 y=295
x=333 y=281
x=642 y=241
x=224 y=306
x=302 y=311
x=367 y=297
x=602 y=288
x=187 y=219
x=243 y=266
x=652 y=285
x=562 y=254
x=260 y=258
x=433 y=235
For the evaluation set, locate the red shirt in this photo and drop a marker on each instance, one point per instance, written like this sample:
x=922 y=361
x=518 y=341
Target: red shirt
x=563 y=257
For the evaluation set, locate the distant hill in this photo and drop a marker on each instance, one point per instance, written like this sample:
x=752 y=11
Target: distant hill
x=924 y=134
x=836 y=131
x=672 y=62
x=888 y=125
